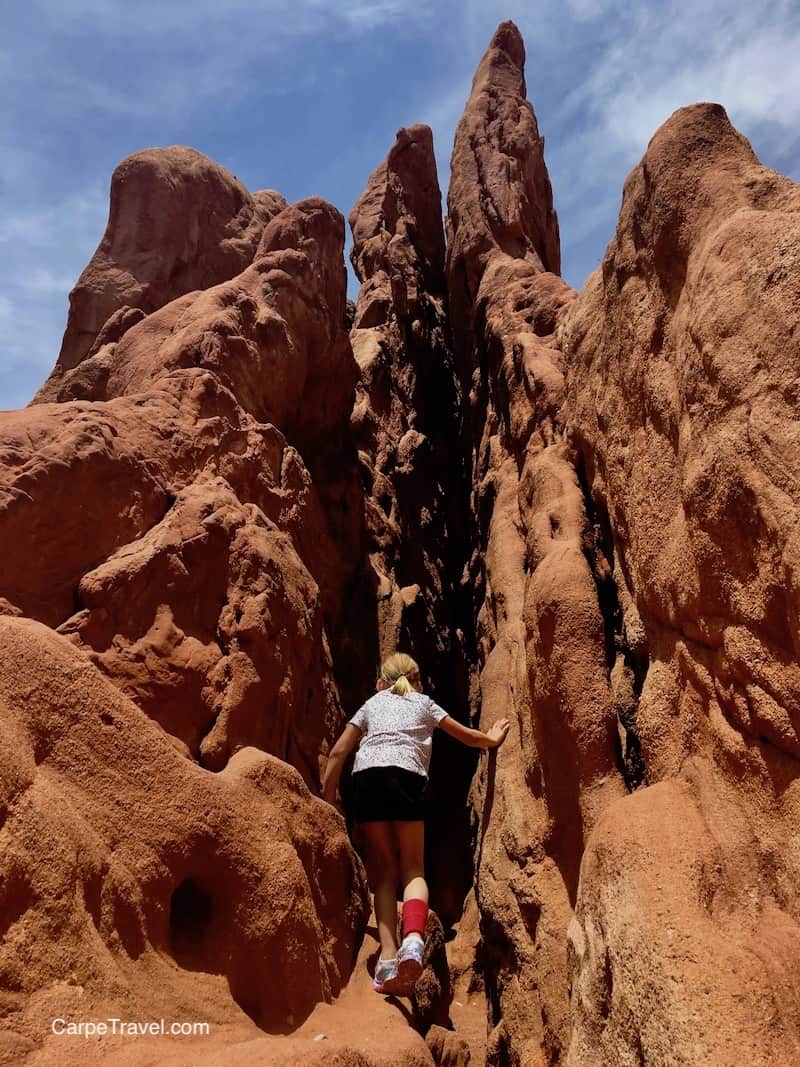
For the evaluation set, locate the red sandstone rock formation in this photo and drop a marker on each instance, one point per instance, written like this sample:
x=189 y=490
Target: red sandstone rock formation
x=178 y=222
x=581 y=515
x=156 y=884
x=211 y=385
x=192 y=514
x=497 y=151
x=682 y=377
x=539 y=623
x=407 y=401
x=212 y=623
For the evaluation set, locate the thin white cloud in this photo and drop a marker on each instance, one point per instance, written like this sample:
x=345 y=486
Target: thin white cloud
x=189 y=53
x=585 y=10
x=742 y=57
x=369 y=14
x=604 y=75
x=242 y=18
x=49 y=225
x=43 y=280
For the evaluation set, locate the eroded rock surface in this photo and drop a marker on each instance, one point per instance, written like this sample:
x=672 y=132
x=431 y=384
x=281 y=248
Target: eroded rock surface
x=205 y=467
x=683 y=355
x=407 y=421
x=156 y=904
x=234 y=653
x=542 y=654
x=178 y=222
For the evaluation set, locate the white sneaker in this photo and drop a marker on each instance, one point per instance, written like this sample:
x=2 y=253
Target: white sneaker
x=385 y=971
x=409 y=960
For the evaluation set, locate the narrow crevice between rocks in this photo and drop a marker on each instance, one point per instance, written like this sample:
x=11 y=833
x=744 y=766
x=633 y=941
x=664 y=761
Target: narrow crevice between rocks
x=627 y=665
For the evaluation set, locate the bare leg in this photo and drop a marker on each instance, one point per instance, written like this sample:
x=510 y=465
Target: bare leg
x=383 y=872
x=410 y=837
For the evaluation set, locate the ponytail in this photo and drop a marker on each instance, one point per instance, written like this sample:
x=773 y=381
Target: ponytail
x=399 y=671
x=402 y=686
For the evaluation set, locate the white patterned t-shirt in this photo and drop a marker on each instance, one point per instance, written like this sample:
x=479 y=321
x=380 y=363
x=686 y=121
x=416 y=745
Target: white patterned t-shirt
x=397 y=731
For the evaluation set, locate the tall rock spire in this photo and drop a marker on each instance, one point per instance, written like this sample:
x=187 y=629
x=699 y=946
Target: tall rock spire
x=533 y=569
x=500 y=197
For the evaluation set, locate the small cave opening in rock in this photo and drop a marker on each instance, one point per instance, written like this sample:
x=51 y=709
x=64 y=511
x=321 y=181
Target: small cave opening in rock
x=191 y=914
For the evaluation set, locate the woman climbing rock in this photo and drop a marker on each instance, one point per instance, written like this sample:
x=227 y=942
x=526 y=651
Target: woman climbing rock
x=394 y=730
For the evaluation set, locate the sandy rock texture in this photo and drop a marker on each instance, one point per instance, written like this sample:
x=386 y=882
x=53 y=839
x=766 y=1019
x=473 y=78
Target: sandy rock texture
x=682 y=356
x=497 y=150
x=155 y=885
x=539 y=625
x=178 y=222
x=190 y=506
x=232 y=655
x=171 y=499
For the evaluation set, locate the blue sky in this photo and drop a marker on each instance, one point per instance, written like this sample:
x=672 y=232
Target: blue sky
x=305 y=97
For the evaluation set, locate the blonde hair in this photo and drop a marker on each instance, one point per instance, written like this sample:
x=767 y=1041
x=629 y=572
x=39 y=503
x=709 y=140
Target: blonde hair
x=397 y=670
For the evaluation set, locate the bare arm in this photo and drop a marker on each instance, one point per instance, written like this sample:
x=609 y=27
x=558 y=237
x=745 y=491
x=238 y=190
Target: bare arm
x=493 y=738
x=349 y=739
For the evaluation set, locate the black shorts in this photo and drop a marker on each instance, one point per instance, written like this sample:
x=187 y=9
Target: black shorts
x=385 y=793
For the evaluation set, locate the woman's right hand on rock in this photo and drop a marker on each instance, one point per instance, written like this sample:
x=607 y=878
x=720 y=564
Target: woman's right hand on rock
x=498 y=731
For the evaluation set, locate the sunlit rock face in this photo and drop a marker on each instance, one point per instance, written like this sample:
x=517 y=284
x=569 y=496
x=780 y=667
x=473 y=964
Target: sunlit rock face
x=682 y=380
x=543 y=655
x=178 y=222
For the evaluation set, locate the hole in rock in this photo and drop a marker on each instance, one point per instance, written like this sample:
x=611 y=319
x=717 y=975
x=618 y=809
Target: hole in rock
x=191 y=912
x=203 y=937
x=385 y=502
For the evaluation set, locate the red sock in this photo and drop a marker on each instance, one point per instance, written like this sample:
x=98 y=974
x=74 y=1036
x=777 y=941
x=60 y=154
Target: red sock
x=415 y=914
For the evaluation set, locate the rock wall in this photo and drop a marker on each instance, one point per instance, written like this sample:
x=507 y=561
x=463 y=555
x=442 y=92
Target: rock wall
x=178 y=222
x=199 y=466
x=186 y=513
x=135 y=880
x=539 y=624
x=682 y=382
